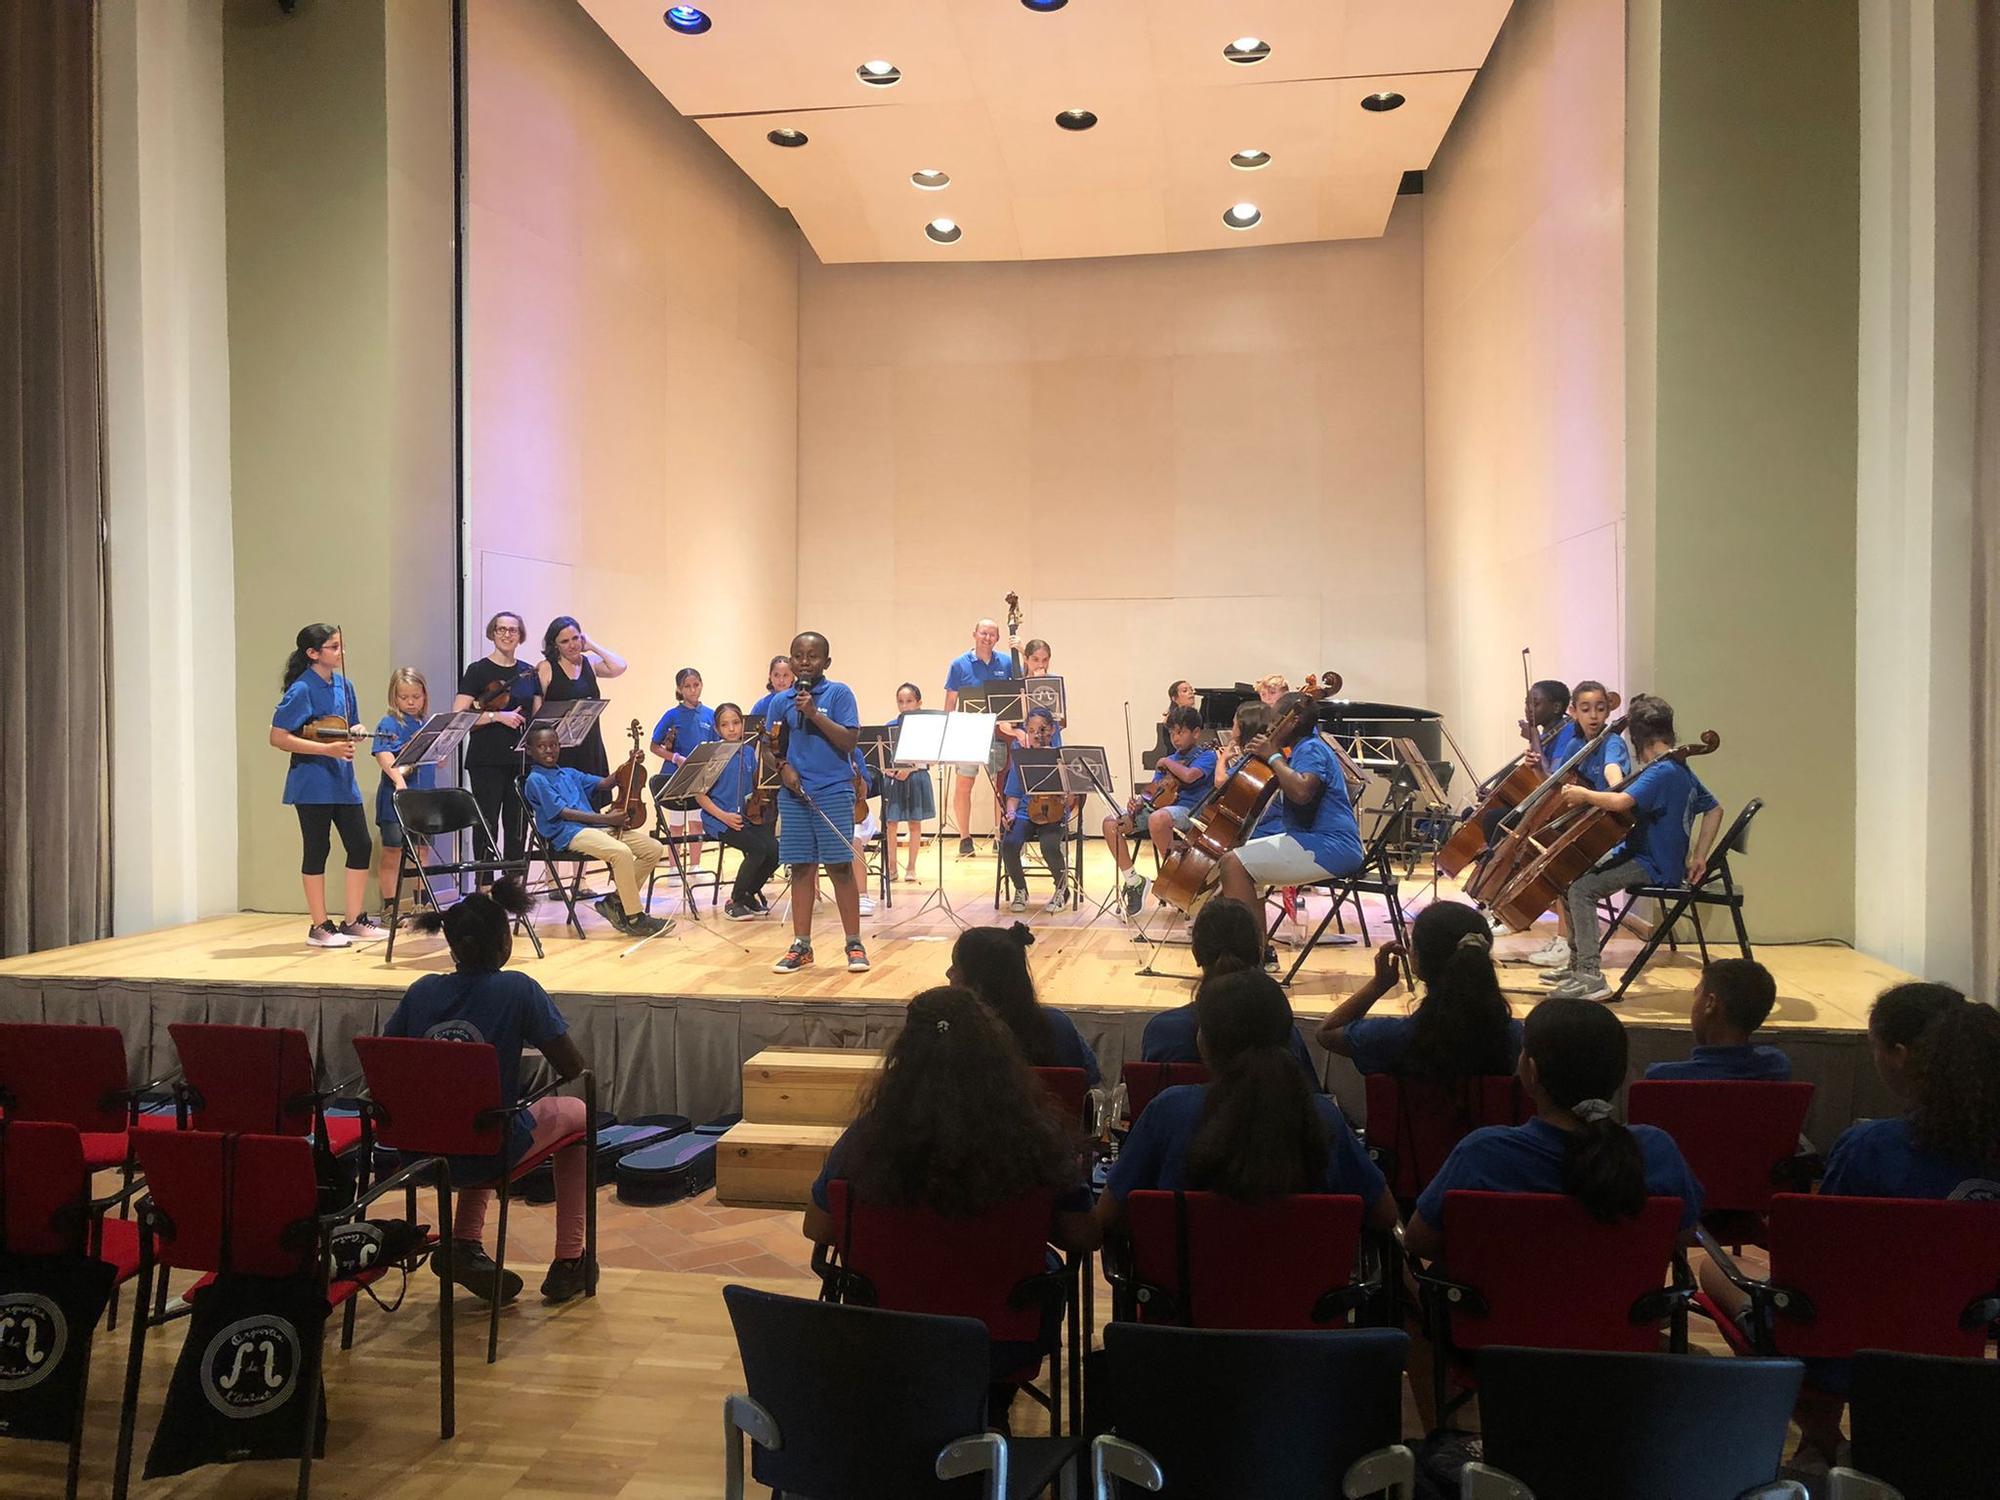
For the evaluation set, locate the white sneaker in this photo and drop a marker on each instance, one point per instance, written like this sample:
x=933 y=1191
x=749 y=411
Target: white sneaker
x=1554 y=954
x=1500 y=929
x=326 y=935
x=867 y=905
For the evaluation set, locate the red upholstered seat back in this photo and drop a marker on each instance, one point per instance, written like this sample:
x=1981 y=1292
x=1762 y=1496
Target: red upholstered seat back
x=919 y=1261
x=1883 y=1273
x=248 y=1079
x=1413 y=1122
x=1551 y=1276
x=431 y=1092
x=1731 y=1134
x=73 y=1074
x=1249 y=1265
x=42 y=1188
x=1068 y=1087
x=262 y=1225
x=1145 y=1080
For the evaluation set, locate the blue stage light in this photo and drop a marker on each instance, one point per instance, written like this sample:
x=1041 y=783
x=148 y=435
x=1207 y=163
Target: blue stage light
x=687 y=20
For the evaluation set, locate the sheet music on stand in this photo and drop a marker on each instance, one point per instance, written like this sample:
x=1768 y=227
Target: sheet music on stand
x=440 y=735
x=699 y=773
x=1087 y=769
x=876 y=744
x=753 y=725
x=1004 y=702
x=1421 y=775
x=1041 y=772
x=571 y=722
x=1046 y=692
x=945 y=739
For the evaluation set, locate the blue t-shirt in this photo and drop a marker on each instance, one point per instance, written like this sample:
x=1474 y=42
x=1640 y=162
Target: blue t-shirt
x=1155 y=1154
x=731 y=787
x=968 y=671
x=1170 y=1037
x=399 y=731
x=1326 y=824
x=1191 y=793
x=505 y=1008
x=1667 y=797
x=1072 y=1051
x=1880 y=1159
x=1528 y=1159
x=1746 y=1064
x=693 y=727
x=317 y=779
x=550 y=793
x=840 y=1163
x=820 y=767
x=1569 y=739
x=1376 y=1044
x=763 y=705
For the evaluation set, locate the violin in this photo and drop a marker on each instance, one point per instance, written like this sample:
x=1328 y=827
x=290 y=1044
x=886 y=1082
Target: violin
x=760 y=802
x=499 y=696
x=330 y=727
x=628 y=801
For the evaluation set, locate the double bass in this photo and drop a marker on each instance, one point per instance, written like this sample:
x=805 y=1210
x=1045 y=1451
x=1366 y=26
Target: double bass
x=628 y=784
x=1228 y=814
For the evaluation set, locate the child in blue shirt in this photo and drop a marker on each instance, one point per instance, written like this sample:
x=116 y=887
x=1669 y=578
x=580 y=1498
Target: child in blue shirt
x=1605 y=769
x=778 y=681
x=682 y=730
x=1016 y=825
x=1664 y=798
x=1190 y=771
x=722 y=819
x=992 y=962
x=908 y=796
x=320 y=782
x=822 y=725
x=480 y=1001
x=1461 y=1028
x=559 y=797
x=409 y=706
x=1734 y=998
x=1224 y=937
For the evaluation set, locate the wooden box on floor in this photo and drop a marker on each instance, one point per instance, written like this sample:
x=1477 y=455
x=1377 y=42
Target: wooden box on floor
x=796 y=1101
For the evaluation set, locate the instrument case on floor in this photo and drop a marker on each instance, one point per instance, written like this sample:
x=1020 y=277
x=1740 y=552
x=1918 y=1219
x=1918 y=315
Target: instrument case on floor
x=614 y=1143
x=672 y=1169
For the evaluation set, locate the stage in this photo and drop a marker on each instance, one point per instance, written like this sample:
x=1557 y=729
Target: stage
x=668 y=1026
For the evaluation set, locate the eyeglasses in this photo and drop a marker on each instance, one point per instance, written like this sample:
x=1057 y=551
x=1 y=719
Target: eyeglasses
x=506 y=630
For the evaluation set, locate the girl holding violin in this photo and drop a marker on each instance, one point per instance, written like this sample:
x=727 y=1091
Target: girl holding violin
x=1181 y=781
x=314 y=724
x=570 y=667
x=507 y=694
x=723 y=819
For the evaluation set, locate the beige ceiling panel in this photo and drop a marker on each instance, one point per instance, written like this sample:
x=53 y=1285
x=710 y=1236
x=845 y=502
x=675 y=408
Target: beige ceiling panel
x=1101 y=221
x=1319 y=38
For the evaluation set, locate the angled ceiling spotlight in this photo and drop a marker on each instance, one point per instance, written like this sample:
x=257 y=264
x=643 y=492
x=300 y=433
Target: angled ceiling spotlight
x=1246 y=50
x=687 y=20
x=1076 y=119
x=943 y=232
x=1250 y=161
x=1045 y=5
x=879 y=74
x=1242 y=216
x=930 y=180
x=1377 y=104
x=784 y=135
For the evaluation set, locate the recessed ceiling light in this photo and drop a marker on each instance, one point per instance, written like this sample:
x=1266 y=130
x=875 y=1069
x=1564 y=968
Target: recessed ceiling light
x=687 y=20
x=931 y=180
x=1242 y=215
x=1076 y=119
x=942 y=232
x=879 y=74
x=1250 y=161
x=1247 y=50
x=1378 y=103
x=784 y=135
x=1045 y=4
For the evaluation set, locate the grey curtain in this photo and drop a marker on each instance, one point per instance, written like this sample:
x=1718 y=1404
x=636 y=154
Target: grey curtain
x=54 y=870
x=1985 y=687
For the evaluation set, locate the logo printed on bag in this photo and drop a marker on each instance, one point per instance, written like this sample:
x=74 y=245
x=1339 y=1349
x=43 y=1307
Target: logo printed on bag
x=33 y=1335
x=454 y=1031
x=356 y=1247
x=251 y=1367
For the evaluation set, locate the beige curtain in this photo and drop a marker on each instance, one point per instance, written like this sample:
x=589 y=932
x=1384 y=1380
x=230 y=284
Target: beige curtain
x=53 y=789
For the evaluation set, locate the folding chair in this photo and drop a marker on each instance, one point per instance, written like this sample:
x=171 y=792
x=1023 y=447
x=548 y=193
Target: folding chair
x=1740 y=1139
x=1413 y=1123
x=1565 y=1425
x=59 y=1260
x=1376 y=876
x=697 y=875
x=441 y=812
x=1717 y=887
x=1198 y=1413
x=1923 y=1429
x=1144 y=1082
x=856 y=1403
x=429 y=1097
x=568 y=891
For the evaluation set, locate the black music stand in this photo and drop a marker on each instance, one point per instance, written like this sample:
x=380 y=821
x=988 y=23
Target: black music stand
x=1007 y=702
x=1042 y=776
x=876 y=745
x=695 y=776
x=440 y=736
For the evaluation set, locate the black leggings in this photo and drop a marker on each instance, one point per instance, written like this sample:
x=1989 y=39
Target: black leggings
x=758 y=844
x=1051 y=837
x=317 y=820
x=501 y=807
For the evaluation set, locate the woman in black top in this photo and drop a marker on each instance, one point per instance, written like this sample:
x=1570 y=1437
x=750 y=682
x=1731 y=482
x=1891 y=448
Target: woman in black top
x=492 y=765
x=571 y=664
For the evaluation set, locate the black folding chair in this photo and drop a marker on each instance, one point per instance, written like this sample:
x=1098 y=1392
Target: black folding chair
x=433 y=813
x=1923 y=1429
x=1375 y=877
x=1717 y=887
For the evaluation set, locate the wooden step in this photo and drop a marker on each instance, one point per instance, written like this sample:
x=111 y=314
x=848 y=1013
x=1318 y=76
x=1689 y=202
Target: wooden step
x=807 y=1085
x=761 y=1165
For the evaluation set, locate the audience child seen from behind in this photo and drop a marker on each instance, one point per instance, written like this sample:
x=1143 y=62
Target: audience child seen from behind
x=1898 y=1020
x=1732 y=1000
x=1256 y=1129
x=992 y=962
x=1462 y=1026
x=1225 y=937
x=481 y=1001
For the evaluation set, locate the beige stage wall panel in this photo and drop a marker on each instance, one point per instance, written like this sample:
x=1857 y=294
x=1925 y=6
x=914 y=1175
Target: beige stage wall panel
x=631 y=382
x=1205 y=466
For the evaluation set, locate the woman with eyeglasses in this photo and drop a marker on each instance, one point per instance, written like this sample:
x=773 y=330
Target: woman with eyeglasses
x=506 y=692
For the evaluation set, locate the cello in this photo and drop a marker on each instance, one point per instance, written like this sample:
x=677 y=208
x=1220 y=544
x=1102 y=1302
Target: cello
x=1231 y=810
x=628 y=784
x=760 y=802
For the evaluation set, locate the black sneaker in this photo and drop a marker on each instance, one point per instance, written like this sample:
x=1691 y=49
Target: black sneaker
x=857 y=956
x=646 y=925
x=739 y=911
x=613 y=911
x=798 y=956
x=476 y=1271
x=965 y=848
x=763 y=906
x=568 y=1279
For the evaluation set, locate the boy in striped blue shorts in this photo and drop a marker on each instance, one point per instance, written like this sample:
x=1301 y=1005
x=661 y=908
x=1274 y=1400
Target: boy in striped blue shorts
x=816 y=799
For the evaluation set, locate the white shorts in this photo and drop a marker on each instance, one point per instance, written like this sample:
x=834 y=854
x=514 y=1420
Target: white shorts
x=867 y=828
x=1280 y=859
x=680 y=818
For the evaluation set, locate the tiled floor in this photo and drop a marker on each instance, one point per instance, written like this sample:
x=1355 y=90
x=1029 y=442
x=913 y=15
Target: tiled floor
x=696 y=1234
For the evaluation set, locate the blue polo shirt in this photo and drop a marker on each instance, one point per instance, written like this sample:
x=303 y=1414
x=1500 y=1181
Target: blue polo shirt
x=1193 y=793
x=1376 y=1044
x=1880 y=1159
x=317 y=779
x=1745 y=1064
x=1155 y=1154
x=820 y=767
x=549 y=793
x=1569 y=739
x=1326 y=824
x=693 y=727
x=732 y=787
x=505 y=1008
x=763 y=705
x=1528 y=1159
x=1072 y=1051
x=1170 y=1037
x=1666 y=799
x=399 y=731
x=968 y=671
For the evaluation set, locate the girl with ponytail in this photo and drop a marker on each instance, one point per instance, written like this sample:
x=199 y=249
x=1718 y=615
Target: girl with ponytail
x=1226 y=937
x=1256 y=1130
x=1461 y=1027
x=320 y=785
x=992 y=962
x=1573 y=1058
